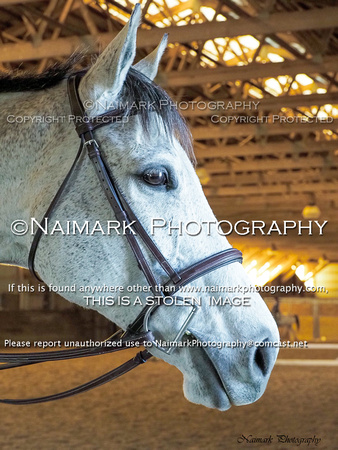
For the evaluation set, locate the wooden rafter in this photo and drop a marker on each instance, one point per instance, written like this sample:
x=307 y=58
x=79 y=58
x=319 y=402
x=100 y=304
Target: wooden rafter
x=278 y=22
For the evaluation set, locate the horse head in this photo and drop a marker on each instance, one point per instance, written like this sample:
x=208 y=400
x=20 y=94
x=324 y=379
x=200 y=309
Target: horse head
x=149 y=155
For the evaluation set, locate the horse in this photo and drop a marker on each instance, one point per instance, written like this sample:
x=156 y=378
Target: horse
x=286 y=327
x=285 y=322
x=150 y=158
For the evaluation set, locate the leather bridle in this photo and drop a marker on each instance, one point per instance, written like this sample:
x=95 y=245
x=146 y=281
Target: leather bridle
x=138 y=330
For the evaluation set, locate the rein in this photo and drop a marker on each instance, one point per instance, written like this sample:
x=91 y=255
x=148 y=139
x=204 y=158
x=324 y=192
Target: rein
x=138 y=330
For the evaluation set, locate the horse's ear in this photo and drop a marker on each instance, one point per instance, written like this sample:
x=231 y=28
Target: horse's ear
x=105 y=79
x=149 y=65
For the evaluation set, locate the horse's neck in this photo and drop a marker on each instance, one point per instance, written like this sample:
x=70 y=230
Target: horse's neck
x=31 y=164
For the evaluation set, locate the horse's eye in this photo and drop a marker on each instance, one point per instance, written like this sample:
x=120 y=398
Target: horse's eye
x=156 y=177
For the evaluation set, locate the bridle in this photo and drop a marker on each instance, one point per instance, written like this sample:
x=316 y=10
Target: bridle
x=138 y=331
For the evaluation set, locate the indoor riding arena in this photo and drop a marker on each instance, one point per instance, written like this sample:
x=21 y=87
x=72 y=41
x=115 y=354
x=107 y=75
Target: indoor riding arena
x=255 y=82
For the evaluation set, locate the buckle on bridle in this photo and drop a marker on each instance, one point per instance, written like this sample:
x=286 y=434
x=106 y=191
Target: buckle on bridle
x=92 y=147
x=183 y=330
x=91 y=142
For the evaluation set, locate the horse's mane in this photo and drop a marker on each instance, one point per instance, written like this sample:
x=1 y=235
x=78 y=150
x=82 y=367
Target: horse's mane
x=22 y=81
x=138 y=89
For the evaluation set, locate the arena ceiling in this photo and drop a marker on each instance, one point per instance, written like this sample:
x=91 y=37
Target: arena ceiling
x=257 y=81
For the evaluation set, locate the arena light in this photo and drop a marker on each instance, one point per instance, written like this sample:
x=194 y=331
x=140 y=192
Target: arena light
x=207 y=61
x=252 y=274
x=276 y=270
x=303 y=79
x=208 y=12
x=300 y=272
x=251 y=265
x=235 y=47
x=228 y=56
x=233 y=15
x=309 y=283
x=298 y=47
x=260 y=277
x=322 y=115
x=264 y=278
x=117 y=14
x=311 y=212
x=272 y=42
x=274 y=58
x=249 y=41
x=185 y=13
x=283 y=79
x=221 y=41
x=210 y=47
x=172 y=3
x=263 y=268
x=273 y=86
x=153 y=10
x=255 y=92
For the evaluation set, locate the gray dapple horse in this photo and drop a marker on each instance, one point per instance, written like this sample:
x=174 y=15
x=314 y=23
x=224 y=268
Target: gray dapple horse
x=286 y=327
x=285 y=322
x=34 y=161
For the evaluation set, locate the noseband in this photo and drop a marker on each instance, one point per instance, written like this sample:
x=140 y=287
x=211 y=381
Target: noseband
x=137 y=331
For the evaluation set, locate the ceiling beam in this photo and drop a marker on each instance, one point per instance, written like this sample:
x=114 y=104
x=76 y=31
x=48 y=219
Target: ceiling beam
x=272 y=189
x=17 y=2
x=266 y=148
x=260 y=129
x=313 y=19
x=274 y=200
x=231 y=106
x=254 y=70
x=308 y=247
x=281 y=242
x=220 y=167
x=293 y=213
x=272 y=177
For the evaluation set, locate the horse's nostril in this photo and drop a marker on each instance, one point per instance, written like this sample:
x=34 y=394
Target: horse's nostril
x=260 y=360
